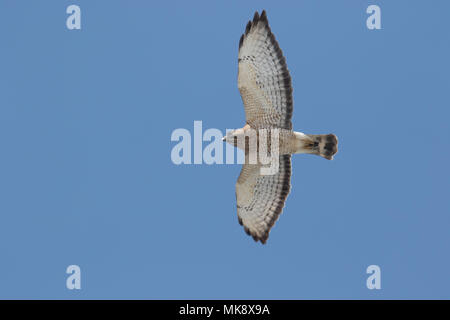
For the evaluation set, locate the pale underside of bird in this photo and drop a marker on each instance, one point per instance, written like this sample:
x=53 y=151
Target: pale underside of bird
x=265 y=86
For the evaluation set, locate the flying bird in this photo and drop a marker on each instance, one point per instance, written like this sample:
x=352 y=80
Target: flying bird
x=265 y=86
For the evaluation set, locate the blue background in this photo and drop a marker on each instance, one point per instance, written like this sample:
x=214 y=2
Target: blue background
x=86 y=176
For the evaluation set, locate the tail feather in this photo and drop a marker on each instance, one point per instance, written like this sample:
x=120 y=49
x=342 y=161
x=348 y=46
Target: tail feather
x=324 y=145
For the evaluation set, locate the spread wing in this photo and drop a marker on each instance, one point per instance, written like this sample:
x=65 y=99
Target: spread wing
x=263 y=79
x=260 y=198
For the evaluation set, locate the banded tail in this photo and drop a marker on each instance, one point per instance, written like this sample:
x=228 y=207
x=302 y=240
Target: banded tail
x=324 y=145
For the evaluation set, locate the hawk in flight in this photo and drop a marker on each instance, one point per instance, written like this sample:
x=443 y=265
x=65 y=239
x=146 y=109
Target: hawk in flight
x=265 y=86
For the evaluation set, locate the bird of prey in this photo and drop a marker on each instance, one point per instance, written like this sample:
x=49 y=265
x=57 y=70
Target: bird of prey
x=265 y=86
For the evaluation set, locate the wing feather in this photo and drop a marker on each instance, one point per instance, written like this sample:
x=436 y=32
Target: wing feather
x=263 y=78
x=260 y=198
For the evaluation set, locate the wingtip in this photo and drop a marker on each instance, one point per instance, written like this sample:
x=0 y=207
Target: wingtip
x=248 y=27
x=264 y=238
x=252 y=23
x=263 y=16
x=256 y=17
x=241 y=41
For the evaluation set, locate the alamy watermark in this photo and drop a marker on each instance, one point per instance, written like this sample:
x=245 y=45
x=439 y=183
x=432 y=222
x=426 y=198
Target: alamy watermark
x=73 y=281
x=253 y=147
x=374 y=280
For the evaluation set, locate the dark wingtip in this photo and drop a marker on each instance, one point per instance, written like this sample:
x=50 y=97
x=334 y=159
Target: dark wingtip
x=263 y=16
x=247 y=28
x=256 y=17
x=241 y=41
x=250 y=24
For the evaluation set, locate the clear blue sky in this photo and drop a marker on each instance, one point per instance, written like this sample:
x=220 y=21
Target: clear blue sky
x=86 y=176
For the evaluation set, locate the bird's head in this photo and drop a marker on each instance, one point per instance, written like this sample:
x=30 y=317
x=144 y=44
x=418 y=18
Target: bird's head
x=233 y=136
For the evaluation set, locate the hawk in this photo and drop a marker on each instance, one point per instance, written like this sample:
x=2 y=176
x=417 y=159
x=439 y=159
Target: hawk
x=265 y=86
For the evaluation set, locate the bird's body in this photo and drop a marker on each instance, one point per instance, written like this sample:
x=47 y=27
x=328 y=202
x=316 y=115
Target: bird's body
x=289 y=141
x=265 y=86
